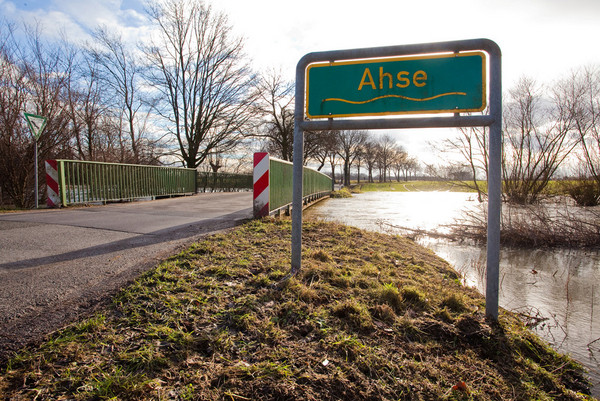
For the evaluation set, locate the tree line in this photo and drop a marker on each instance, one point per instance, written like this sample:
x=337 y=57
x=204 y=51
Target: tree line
x=183 y=95
x=188 y=96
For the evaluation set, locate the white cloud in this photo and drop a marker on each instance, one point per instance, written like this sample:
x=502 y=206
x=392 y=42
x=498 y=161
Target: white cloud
x=76 y=19
x=542 y=38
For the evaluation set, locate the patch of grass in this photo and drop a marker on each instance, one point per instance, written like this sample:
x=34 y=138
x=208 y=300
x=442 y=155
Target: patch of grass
x=413 y=296
x=454 y=302
x=369 y=316
x=583 y=192
x=419 y=186
x=321 y=256
x=354 y=313
x=390 y=295
x=342 y=193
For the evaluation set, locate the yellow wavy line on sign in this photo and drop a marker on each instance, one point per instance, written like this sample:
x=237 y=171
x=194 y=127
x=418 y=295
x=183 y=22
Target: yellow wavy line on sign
x=334 y=99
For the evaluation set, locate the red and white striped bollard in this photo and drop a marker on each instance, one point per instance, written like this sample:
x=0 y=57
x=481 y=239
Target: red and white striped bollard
x=261 y=184
x=52 y=191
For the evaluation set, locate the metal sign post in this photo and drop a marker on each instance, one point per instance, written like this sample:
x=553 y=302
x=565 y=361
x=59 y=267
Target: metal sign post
x=443 y=77
x=36 y=125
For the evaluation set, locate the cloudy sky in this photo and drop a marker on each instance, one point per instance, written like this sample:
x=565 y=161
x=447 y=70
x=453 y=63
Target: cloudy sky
x=543 y=39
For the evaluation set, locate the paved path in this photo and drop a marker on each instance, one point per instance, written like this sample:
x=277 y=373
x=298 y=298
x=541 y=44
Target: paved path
x=57 y=265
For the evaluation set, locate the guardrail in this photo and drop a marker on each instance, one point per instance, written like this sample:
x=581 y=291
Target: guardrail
x=273 y=184
x=223 y=182
x=80 y=182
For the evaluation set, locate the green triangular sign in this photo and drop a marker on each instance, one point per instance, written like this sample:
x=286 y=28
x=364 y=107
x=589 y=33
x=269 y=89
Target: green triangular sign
x=36 y=124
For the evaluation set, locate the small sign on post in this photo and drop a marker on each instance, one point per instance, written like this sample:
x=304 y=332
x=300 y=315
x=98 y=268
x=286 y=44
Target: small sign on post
x=36 y=125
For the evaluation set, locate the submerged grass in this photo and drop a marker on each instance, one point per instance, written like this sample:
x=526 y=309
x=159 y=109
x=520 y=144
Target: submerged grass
x=369 y=317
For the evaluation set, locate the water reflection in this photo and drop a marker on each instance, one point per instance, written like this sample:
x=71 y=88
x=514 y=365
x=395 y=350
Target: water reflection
x=558 y=289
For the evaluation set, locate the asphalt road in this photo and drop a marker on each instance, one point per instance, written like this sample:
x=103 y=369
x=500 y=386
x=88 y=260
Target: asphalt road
x=59 y=265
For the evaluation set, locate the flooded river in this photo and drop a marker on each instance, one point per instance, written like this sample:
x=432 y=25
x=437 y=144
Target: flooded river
x=558 y=289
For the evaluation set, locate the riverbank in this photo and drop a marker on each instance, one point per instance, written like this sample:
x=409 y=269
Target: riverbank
x=370 y=316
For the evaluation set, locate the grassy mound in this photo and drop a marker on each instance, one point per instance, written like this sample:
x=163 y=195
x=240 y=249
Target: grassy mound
x=342 y=193
x=370 y=317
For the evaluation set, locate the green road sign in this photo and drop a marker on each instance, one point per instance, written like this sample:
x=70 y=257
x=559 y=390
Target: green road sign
x=36 y=124
x=448 y=83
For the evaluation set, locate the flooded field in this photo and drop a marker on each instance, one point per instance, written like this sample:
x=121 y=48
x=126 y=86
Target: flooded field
x=557 y=290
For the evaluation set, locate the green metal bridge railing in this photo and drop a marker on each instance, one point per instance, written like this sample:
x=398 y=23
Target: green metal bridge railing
x=316 y=184
x=89 y=182
x=274 y=193
x=223 y=182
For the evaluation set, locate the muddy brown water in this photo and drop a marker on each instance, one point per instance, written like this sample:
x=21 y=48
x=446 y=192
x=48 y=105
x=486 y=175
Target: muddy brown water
x=558 y=289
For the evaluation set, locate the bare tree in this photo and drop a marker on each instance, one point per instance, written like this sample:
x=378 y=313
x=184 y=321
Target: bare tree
x=369 y=152
x=120 y=72
x=349 y=143
x=579 y=98
x=201 y=73
x=386 y=148
x=536 y=142
x=333 y=161
x=410 y=165
x=399 y=160
x=358 y=161
x=15 y=144
x=472 y=144
x=87 y=111
x=275 y=108
x=319 y=146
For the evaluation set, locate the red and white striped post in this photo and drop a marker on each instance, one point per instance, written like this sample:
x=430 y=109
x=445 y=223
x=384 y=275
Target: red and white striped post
x=53 y=197
x=261 y=184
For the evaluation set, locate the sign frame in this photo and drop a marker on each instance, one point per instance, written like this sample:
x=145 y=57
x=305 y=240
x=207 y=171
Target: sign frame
x=411 y=90
x=493 y=120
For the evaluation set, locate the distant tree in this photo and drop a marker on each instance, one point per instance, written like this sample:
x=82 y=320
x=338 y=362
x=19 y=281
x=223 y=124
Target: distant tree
x=349 y=144
x=274 y=107
x=399 y=160
x=201 y=73
x=359 y=160
x=432 y=171
x=386 y=148
x=333 y=161
x=410 y=166
x=369 y=152
x=320 y=145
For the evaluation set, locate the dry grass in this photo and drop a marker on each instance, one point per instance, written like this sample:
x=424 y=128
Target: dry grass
x=540 y=225
x=370 y=317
